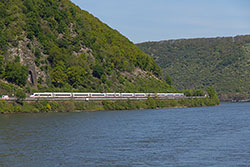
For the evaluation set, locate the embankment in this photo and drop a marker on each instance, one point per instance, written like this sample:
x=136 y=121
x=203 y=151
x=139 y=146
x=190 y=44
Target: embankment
x=72 y=106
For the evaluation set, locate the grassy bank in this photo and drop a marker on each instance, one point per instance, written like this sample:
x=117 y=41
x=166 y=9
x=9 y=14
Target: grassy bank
x=72 y=106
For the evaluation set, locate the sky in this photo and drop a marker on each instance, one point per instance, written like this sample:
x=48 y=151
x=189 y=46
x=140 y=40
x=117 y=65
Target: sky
x=155 y=20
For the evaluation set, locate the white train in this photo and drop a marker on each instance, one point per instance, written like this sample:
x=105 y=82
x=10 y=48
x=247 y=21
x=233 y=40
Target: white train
x=103 y=95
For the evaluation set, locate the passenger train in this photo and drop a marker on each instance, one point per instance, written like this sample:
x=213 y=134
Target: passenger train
x=104 y=95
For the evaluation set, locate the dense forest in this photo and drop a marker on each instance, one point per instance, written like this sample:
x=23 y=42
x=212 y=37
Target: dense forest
x=197 y=63
x=53 y=45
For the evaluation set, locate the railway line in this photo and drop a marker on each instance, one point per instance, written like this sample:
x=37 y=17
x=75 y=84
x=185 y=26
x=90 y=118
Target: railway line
x=96 y=99
x=103 y=95
x=63 y=96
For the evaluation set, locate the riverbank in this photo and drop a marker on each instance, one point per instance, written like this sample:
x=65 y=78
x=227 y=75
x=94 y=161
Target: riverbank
x=236 y=101
x=72 y=106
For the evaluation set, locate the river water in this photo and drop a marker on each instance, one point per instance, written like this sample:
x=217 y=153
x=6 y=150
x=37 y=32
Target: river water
x=186 y=137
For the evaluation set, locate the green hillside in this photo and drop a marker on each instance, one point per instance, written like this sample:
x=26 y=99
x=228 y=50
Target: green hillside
x=197 y=63
x=53 y=45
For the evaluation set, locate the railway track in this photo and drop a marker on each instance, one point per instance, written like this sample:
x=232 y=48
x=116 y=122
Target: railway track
x=97 y=99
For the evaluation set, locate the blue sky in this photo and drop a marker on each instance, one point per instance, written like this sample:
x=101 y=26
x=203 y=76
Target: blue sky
x=154 y=20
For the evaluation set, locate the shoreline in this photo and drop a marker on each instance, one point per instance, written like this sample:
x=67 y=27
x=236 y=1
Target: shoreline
x=82 y=111
x=235 y=101
x=95 y=106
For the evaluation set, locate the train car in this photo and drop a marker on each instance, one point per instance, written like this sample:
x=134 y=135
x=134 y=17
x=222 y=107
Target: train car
x=127 y=94
x=151 y=94
x=105 y=95
x=140 y=95
x=43 y=95
x=81 y=95
x=179 y=94
x=98 y=95
x=169 y=94
x=161 y=94
x=113 y=95
x=62 y=95
x=182 y=94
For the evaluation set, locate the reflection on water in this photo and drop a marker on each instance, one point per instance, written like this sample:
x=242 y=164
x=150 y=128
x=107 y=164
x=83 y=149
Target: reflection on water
x=211 y=136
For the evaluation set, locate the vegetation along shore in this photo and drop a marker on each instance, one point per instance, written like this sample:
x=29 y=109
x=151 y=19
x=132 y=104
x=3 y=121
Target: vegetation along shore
x=76 y=106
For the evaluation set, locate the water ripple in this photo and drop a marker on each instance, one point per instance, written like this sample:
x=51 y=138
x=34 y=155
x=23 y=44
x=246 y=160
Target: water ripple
x=210 y=136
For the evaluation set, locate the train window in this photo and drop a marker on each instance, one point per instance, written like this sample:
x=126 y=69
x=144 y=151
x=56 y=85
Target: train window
x=127 y=94
x=62 y=94
x=139 y=94
x=45 y=94
x=36 y=94
x=98 y=95
x=81 y=95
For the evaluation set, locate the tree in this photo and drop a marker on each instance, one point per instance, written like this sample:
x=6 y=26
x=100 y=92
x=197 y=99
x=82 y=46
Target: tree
x=151 y=103
x=16 y=73
x=3 y=11
x=3 y=106
x=38 y=53
x=1 y=66
x=98 y=71
x=75 y=75
x=59 y=78
x=20 y=94
x=213 y=94
x=55 y=55
x=199 y=92
x=3 y=39
x=188 y=92
x=168 y=79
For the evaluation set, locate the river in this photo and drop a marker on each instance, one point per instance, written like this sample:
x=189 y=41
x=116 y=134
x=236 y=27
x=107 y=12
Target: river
x=183 y=137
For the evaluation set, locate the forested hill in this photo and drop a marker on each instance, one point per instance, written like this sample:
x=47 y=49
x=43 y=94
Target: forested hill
x=197 y=63
x=53 y=45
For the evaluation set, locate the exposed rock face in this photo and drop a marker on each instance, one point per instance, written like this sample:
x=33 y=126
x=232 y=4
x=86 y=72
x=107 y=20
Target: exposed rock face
x=27 y=58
